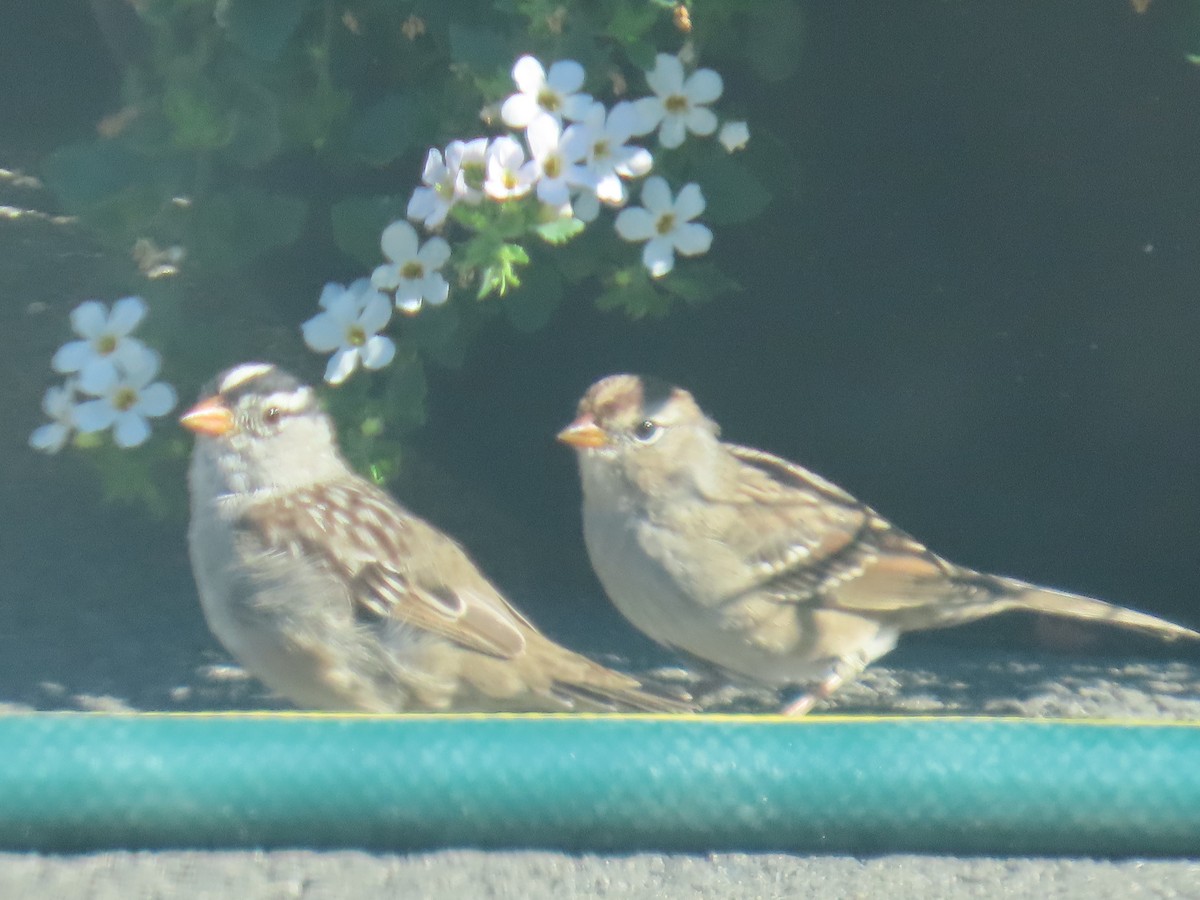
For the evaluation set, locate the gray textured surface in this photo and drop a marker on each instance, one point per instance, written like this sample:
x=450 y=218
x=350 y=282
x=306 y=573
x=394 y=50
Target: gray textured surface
x=534 y=875
x=944 y=681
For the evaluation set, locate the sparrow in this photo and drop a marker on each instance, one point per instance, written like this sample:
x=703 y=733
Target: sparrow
x=760 y=566
x=335 y=596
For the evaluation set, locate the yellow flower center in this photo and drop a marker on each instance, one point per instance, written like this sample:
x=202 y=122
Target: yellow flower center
x=665 y=223
x=549 y=100
x=125 y=399
x=552 y=167
x=676 y=104
x=601 y=149
x=356 y=336
x=105 y=344
x=412 y=269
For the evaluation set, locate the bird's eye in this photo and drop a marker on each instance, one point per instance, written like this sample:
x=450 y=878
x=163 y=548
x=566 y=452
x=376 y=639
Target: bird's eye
x=647 y=431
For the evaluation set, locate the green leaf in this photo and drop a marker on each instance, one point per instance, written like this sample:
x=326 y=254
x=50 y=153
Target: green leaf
x=514 y=218
x=560 y=230
x=119 y=193
x=475 y=218
x=437 y=331
x=82 y=175
x=632 y=290
x=388 y=129
x=362 y=417
x=478 y=252
x=497 y=222
x=262 y=27
x=198 y=122
x=311 y=117
x=359 y=221
x=732 y=194
x=229 y=230
x=257 y=134
x=146 y=476
x=631 y=22
x=530 y=307
x=595 y=252
x=500 y=275
x=698 y=282
x=120 y=219
x=404 y=395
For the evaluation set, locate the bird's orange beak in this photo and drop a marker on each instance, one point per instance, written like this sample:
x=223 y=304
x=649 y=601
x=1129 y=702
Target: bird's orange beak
x=584 y=432
x=209 y=417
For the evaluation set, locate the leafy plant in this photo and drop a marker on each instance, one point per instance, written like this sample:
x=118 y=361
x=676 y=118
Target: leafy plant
x=255 y=134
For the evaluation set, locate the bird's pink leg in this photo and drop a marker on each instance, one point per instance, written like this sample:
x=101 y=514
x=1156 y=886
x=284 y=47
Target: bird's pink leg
x=842 y=671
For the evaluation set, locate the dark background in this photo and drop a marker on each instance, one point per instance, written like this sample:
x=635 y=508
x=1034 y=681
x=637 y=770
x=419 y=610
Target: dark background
x=980 y=313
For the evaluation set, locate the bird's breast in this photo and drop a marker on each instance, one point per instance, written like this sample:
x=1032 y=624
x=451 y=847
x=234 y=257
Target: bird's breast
x=663 y=593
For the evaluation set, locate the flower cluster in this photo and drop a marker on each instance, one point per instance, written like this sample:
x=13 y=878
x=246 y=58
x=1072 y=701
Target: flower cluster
x=110 y=381
x=575 y=153
x=579 y=151
x=576 y=157
x=349 y=328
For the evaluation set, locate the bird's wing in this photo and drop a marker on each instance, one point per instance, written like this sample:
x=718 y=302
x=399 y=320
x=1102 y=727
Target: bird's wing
x=400 y=567
x=815 y=544
x=786 y=522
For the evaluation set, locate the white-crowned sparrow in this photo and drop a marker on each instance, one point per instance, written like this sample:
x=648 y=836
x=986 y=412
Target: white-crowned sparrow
x=758 y=565
x=335 y=596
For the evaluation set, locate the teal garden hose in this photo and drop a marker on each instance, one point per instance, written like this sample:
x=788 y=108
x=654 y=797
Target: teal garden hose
x=71 y=782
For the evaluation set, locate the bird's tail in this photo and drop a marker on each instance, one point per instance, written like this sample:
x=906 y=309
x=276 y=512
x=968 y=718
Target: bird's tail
x=551 y=678
x=587 y=685
x=1075 y=606
x=592 y=696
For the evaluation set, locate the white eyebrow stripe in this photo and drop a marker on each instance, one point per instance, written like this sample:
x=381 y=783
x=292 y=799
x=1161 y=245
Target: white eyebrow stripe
x=290 y=401
x=241 y=374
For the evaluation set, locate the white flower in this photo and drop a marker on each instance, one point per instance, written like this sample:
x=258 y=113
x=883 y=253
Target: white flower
x=106 y=342
x=413 y=268
x=470 y=159
x=584 y=205
x=455 y=177
x=557 y=157
x=734 y=136
x=665 y=225
x=609 y=159
x=59 y=404
x=330 y=294
x=126 y=400
x=509 y=176
x=430 y=204
x=349 y=328
x=678 y=104
x=556 y=93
